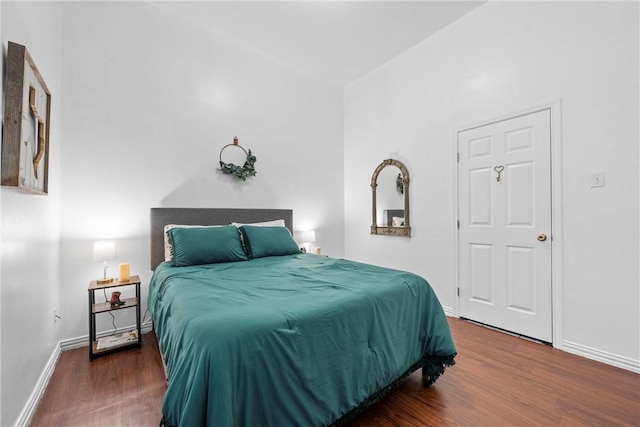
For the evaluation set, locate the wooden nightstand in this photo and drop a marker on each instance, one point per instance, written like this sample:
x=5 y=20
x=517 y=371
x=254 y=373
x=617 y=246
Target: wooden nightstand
x=107 y=347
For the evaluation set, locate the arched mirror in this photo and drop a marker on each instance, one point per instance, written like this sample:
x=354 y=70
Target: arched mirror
x=390 y=196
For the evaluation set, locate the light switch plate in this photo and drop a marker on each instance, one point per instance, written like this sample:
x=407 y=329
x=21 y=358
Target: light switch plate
x=597 y=179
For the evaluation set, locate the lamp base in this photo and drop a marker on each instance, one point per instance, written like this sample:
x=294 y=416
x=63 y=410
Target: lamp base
x=103 y=281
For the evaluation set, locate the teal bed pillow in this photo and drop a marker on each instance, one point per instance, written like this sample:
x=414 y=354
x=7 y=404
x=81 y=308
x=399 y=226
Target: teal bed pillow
x=268 y=241
x=205 y=245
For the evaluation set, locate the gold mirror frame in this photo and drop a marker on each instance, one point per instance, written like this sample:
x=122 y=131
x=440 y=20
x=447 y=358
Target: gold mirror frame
x=385 y=230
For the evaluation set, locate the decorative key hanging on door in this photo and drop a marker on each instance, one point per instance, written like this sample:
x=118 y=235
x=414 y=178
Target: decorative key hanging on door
x=498 y=169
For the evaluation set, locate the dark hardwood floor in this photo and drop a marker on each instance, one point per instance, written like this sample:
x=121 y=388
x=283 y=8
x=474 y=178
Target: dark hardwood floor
x=498 y=380
x=121 y=389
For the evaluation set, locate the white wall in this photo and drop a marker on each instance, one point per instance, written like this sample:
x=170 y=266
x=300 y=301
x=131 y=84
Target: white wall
x=149 y=102
x=503 y=57
x=30 y=230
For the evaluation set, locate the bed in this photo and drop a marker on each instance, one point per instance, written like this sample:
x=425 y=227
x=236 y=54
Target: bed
x=279 y=337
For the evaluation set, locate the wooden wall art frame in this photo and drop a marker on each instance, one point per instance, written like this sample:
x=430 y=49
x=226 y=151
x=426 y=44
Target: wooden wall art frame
x=25 y=134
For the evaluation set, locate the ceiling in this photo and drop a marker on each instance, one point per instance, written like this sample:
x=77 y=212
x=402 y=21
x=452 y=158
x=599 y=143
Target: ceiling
x=337 y=40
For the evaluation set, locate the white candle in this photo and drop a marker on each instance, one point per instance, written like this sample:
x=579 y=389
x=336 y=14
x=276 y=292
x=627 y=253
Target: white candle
x=124 y=271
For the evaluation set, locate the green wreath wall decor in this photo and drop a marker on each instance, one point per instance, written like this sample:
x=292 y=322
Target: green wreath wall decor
x=399 y=184
x=239 y=173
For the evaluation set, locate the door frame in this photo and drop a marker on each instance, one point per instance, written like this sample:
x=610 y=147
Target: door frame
x=557 y=274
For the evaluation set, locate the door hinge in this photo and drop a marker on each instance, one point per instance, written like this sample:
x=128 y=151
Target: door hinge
x=458 y=224
x=458 y=291
x=458 y=157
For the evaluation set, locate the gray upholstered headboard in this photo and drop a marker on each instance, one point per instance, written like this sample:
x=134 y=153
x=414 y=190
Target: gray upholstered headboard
x=206 y=216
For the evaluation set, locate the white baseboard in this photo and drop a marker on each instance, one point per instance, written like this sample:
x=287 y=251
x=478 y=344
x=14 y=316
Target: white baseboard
x=32 y=403
x=448 y=311
x=588 y=352
x=602 y=356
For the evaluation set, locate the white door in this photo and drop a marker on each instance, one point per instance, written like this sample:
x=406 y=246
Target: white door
x=504 y=208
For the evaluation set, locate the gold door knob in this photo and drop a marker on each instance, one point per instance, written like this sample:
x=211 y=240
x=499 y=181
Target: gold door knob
x=542 y=237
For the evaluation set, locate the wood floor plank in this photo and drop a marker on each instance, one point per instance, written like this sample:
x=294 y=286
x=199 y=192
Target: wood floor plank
x=498 y=380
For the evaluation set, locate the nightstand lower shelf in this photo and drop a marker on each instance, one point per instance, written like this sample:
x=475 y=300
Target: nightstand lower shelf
x=112 y=348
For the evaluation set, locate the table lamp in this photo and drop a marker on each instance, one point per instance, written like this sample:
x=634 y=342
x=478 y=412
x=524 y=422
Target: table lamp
x=307 y=238
x=104 y=250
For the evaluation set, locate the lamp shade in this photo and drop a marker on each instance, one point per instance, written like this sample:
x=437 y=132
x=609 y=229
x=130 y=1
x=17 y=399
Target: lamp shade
x=104 y=250
x=308 y=236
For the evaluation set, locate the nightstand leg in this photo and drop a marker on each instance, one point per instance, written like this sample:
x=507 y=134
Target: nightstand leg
x=138 y=315
x=92 y=324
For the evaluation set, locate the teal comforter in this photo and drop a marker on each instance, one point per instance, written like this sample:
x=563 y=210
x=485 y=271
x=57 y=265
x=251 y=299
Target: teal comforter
x=298 y=340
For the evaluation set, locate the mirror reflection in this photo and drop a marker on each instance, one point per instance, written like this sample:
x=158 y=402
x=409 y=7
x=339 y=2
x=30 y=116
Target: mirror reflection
x=390 y=201
x=390 y=196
